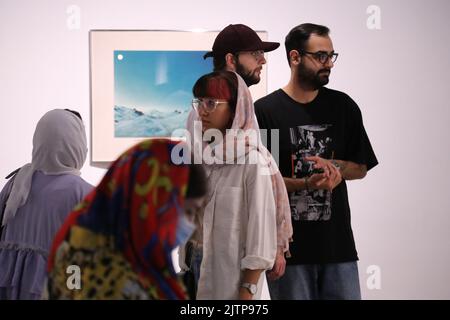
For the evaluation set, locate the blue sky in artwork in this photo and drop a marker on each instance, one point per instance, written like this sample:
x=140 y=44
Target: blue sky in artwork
x=157 y=80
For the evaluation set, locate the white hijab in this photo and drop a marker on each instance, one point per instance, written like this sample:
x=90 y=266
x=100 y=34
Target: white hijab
x=59 y=147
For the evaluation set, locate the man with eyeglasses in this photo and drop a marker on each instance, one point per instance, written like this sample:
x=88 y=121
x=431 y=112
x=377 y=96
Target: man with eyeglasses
x=237 y=48
x=322 y=144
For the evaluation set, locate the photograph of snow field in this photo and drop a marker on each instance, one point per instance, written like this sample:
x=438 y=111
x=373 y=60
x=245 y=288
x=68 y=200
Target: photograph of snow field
x=153 y=90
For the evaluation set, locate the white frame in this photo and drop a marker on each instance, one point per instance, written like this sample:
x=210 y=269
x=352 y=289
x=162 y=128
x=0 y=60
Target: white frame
x=105 y=147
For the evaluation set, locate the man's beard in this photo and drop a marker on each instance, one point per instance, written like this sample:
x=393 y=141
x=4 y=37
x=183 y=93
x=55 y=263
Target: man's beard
x=249 y=77
x=311 y=79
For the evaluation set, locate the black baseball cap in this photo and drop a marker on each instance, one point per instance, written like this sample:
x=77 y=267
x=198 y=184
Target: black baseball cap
x=239 y=37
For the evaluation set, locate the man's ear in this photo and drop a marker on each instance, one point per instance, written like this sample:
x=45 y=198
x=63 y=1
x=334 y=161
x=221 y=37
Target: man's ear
x=294 y=57
x=230 y=61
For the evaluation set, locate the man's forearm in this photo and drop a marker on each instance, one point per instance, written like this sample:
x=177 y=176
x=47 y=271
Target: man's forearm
x=294 y=184
x=351 y=170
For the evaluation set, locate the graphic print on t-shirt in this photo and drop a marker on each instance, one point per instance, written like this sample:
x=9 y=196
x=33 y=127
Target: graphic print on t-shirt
x=310 y=140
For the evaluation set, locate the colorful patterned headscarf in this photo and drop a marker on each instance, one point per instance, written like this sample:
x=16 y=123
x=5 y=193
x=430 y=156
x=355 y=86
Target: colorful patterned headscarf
x=122 y=235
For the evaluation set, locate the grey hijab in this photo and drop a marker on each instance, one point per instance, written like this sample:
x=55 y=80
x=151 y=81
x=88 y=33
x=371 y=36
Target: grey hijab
x=59 y=147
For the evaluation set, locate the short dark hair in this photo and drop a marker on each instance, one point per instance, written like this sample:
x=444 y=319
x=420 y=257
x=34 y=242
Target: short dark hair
x=299 y=36
x=201 y=86
x=219 y=63
x=197 y=184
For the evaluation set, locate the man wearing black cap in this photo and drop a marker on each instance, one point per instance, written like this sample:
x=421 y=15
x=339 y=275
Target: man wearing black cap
x=322 y=143
x=238 y=48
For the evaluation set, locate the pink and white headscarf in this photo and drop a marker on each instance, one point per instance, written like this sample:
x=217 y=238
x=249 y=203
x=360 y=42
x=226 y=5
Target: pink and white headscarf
x=244 y=126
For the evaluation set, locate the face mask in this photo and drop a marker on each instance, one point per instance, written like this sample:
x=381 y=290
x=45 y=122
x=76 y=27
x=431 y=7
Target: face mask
x=185 y=229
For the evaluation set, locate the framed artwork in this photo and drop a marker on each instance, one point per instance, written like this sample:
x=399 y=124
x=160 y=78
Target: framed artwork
x=141 y=85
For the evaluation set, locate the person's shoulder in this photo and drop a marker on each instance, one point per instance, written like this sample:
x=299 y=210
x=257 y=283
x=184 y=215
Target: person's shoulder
x=341 y=98
x=8 y=185
x=74 y=182
x=86 y=186
x=68 y=177
x=268 y=100
x=256 y=163
x=336 y=94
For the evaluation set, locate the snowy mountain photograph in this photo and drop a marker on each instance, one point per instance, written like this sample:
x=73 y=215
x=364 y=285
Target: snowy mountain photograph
x=153 y=90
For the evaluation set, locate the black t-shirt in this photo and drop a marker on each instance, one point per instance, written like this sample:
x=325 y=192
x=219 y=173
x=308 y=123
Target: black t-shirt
x=331 y=127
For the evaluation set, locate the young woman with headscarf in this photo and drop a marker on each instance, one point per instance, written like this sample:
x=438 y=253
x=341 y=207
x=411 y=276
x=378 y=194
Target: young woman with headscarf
x=122 y=235
x=36 y=201
x=247 y=213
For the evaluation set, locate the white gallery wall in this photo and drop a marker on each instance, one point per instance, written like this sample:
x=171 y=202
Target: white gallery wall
x=394 y=61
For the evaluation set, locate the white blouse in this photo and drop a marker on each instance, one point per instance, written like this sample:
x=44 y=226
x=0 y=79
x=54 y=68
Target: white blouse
x=239 y=229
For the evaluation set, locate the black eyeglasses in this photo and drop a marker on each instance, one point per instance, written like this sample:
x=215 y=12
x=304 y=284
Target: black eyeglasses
x=208 y=105
x=257 y=55
x=322 y=56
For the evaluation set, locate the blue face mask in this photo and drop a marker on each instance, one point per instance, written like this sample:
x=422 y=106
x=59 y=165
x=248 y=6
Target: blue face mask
x=185 y=229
